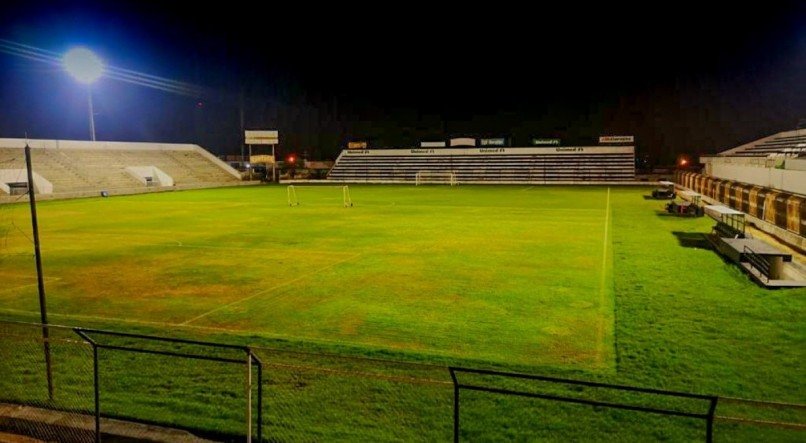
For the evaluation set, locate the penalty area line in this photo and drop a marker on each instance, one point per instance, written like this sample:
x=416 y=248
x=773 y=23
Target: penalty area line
x=161 y=324
x=133 y=321
x=268 y=290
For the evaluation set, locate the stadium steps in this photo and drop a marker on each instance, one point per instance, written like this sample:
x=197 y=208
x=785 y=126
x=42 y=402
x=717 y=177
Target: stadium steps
x=492 y=168
x=79 y=171
x=788 y=145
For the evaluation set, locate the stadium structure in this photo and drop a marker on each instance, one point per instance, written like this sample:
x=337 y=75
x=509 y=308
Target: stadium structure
x=68 y=168
x=488 y=164
x=358 y=312
x=765 y=179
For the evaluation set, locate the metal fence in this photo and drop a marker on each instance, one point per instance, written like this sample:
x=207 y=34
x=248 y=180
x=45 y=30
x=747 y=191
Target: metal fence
x=666 y=403
x=121 y=384
x=66 y=414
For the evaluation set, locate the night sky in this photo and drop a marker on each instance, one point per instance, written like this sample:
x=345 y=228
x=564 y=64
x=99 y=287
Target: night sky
x=681 y=78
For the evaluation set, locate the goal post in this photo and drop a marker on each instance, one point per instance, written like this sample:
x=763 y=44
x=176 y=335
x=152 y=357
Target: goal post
x=435 y=178
x=291 y=190
x=293 y=193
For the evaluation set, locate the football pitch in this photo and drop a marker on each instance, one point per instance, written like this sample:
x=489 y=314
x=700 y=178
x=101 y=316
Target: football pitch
x=591 y=282
x=505 y=274
x=501 y=274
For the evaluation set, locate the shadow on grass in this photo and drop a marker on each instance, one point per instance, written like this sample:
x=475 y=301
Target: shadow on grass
x=664 y=213
x=692 y=239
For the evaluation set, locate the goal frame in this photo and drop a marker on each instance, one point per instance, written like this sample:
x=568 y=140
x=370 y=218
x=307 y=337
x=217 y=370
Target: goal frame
x=293 y=199
x=428 y=177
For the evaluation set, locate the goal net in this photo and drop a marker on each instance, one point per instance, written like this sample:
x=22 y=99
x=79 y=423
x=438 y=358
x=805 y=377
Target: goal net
x=435 y=177
x=319 y=194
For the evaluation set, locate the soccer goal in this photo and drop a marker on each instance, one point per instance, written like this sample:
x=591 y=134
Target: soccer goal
x=435 y=178
x=328 y=193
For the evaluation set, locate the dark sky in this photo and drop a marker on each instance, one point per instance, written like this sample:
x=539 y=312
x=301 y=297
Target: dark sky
x=681 y=77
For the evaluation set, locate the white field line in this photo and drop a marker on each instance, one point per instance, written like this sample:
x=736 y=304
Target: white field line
x=14 y=288
x=266 y=291
x=92 y=317
x=163 y=324
x=207 y=328
x=602 y=281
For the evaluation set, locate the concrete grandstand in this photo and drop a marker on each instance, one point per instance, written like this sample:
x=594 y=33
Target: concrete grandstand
x=555 y=164
x=66 y=169
x=777 y=161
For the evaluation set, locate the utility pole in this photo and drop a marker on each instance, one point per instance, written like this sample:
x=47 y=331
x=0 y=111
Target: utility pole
x=43 y=311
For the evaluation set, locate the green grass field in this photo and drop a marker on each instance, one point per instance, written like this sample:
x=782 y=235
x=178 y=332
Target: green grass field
x=496 y=274
x=588 y=281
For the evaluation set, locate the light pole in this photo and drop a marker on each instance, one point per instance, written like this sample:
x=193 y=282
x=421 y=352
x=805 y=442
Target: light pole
x=85 y=67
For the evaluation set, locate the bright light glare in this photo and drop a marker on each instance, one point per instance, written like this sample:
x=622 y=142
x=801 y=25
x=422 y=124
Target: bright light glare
x=83 y=64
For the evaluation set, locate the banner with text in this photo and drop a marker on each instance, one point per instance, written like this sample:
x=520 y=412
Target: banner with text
x=545 y=142
x=262 y=137
x=617 y=139
x=493 y=142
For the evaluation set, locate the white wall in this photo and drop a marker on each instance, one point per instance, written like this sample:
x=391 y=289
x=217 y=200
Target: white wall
x=788 y=180
x=41 y=185
x=141 y=172
x=796 y=164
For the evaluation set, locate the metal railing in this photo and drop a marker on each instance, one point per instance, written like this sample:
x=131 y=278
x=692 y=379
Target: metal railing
x=707 y=416
x=139 y=339
x=207 y=388
x=758 y=261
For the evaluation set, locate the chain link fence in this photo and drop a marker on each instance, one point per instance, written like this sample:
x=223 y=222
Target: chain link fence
x=320 y=397
x=137 y=387
x=65 y=413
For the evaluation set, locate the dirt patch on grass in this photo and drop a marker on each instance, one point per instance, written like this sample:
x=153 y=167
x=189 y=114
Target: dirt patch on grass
x=349 y=324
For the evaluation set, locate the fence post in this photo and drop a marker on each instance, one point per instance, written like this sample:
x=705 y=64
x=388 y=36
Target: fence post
x=455 y=406
x=709 y=434
x=97 y=389
x=259 y=396
x=96 y=382
x=248 y=397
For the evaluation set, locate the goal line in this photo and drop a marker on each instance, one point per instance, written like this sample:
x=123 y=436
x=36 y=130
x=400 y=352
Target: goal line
x=294 y=196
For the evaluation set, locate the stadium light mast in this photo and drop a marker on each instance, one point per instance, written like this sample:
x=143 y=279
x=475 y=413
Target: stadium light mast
x=85 y=67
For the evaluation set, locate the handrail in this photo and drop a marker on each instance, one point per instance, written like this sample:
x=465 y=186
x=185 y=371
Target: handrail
x=758 y=261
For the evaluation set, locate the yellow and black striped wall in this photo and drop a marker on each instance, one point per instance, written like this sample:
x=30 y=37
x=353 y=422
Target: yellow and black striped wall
x=782 y=209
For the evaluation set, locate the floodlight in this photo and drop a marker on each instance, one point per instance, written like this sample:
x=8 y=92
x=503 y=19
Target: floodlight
x=83 y=65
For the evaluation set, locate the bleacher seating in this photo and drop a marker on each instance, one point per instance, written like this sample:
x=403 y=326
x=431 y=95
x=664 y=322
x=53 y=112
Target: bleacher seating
x=76 y=167
x=479 y=165
x=788 y=144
